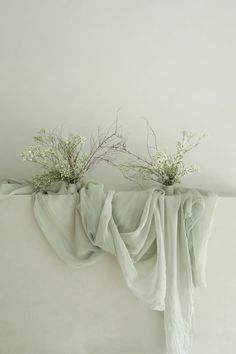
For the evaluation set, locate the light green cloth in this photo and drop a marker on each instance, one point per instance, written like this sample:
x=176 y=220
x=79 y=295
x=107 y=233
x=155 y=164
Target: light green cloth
x=159 y=241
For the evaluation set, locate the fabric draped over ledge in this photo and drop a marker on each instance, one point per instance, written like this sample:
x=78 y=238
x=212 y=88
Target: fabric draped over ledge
x=160 y=241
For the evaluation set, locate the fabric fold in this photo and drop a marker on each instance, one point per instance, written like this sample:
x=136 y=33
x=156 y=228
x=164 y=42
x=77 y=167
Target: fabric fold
x=160 y=242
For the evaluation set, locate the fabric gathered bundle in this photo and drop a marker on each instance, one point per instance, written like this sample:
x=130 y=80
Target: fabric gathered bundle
x=160 y=241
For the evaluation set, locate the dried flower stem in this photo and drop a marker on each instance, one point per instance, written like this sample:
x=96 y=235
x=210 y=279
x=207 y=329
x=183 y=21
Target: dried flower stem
x=67 y=159
x=167 y=169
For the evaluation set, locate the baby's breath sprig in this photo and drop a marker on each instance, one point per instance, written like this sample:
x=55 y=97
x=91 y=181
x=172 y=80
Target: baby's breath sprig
x=68 y=158
x=160 y=166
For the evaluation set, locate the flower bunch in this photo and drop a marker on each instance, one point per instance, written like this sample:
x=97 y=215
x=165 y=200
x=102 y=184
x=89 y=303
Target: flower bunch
x=67 y=158
x=160 y=166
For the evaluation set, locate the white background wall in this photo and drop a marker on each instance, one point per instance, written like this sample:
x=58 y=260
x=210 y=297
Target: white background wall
x=76 y=62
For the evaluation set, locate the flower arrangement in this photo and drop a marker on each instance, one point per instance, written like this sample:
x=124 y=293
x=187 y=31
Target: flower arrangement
x=69 y=158
x=162 y=167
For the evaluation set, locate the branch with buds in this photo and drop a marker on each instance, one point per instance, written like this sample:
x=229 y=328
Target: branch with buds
x=70 y=158
x=160 y=166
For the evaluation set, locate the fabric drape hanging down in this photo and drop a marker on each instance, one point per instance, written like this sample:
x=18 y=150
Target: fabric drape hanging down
x=160 y=241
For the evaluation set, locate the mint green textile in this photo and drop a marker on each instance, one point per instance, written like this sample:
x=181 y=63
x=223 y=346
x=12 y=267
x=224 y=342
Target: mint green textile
x=160 y=241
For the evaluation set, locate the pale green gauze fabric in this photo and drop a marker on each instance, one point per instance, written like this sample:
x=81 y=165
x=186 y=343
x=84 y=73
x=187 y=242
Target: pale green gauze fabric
x=160 y=242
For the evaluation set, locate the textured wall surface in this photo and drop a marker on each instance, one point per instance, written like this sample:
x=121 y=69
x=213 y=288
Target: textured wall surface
x=49 y=308
x=76 y=62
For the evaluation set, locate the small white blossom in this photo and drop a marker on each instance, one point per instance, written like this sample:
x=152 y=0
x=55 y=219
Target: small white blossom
x=65 y=158
x=167 y=169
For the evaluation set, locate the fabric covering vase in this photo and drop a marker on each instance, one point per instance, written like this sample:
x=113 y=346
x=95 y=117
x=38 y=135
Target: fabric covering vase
x=169 y=190
x=159 y=240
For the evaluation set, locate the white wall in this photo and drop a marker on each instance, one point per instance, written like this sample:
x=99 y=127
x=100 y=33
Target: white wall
x=48 y=308
x=76 y=62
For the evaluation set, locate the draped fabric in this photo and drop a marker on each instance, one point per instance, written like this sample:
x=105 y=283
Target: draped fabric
x=160 y=241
